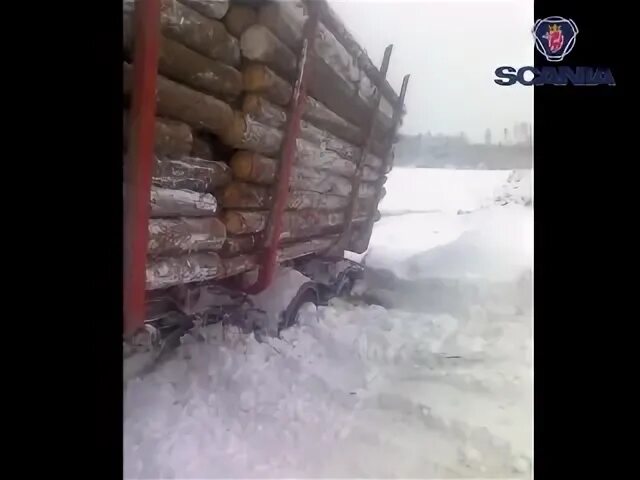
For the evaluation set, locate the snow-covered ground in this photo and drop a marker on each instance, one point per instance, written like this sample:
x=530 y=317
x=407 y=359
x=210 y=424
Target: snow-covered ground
x=437 y=386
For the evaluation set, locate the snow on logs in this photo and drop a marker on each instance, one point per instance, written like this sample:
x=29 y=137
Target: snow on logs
x=296 y=223
x=190 y=173
x=166 y=202
x=267 y=113
x=202 y=266
x=185 y=65
x=262 y=170
x=246 y=133
x=169 y=271
x=204 y=35
x=255 y=168
x=175 y=101
x=183 y=235
x=238 y=195
x=261 y=81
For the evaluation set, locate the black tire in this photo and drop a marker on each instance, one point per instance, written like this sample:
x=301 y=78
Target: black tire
x=307 y=294
x=346 y=287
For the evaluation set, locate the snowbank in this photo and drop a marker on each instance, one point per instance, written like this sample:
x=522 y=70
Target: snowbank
x=437 y=189
x=518 y=189
x=494 y=243
x=491 y=236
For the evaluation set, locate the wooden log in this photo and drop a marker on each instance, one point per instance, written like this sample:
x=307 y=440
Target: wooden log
x=178 y=102
x=264 y=111
x=183 y=235
x=335 y=25
x=244 y=132
x=343 y=148
x=202 y=148
x=286 y=19
x=205 y=266
x=239 y=264
x=239 y=195
x=195 y=267
x=239 y=18
x=240 y=244
x=184 y=65
x=296 y=224
x=311 y=155
x=191 y=174
x=258 y=44
x=215 y=9
x=165 y=202
x=242 y=222
x=320 y=181
x=306 y=247
x=189 y=67
x=261 y=80
x=255 y=168
x=339 y=96
x=246 y=262
x=204 y=35
x=286 y=23
x=258 y=78
x=322 y=117
x=338 y=106
x=172 y=139
x=267 y=113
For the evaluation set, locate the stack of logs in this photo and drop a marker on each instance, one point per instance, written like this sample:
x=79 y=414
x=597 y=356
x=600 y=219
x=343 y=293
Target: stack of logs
x=225 y=75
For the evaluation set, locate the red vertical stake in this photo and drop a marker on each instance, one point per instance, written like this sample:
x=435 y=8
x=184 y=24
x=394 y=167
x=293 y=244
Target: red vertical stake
x=273 y=231
x=139 y=161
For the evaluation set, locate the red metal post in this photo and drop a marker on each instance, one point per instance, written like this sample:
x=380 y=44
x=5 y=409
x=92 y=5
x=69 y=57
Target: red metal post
x=139 y=162
x=273 y=231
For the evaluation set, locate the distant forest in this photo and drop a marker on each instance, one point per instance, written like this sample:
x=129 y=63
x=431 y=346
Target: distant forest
x=441 y=151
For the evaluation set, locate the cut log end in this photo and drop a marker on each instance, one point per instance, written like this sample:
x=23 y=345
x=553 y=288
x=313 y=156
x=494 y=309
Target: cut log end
x=239 y=223
x=239 y=18
x=244 y=195
x=255 y=78
x=242 y=164
x=252 y=103
x=234 y=132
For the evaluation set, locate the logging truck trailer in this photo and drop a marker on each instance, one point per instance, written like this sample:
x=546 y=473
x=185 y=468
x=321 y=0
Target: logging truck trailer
x=258 y=136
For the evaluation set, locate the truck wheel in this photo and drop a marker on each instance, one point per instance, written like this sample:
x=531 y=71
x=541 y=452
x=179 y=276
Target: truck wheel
x=306 y=297
x=345 y=288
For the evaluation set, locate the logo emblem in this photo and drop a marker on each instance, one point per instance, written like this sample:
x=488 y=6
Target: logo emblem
x=555 y=37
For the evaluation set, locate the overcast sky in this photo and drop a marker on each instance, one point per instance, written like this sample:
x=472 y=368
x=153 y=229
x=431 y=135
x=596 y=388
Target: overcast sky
x=451 y=49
